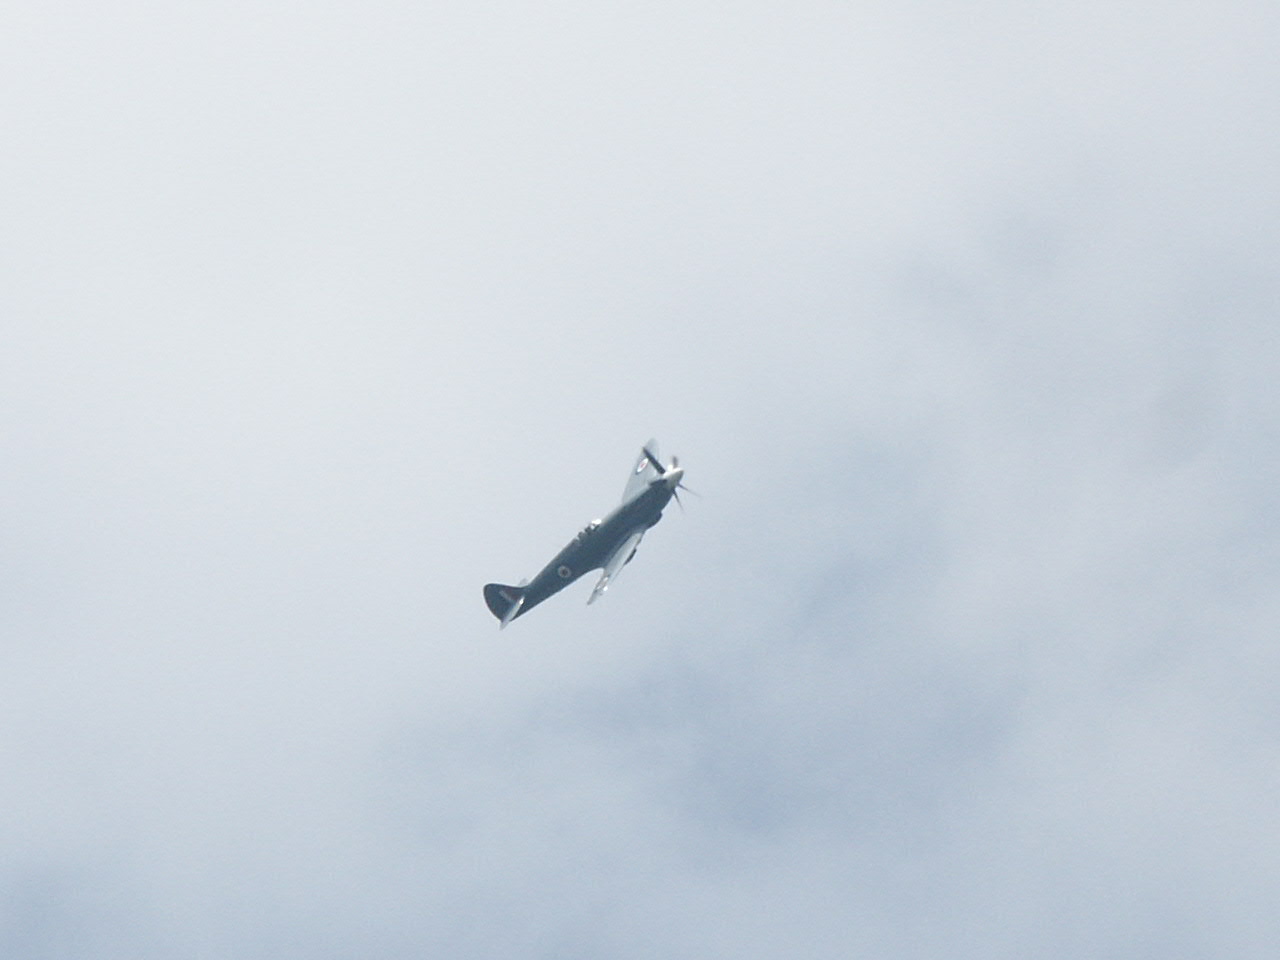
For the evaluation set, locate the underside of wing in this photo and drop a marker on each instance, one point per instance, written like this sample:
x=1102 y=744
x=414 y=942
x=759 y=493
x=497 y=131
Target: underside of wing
x=615 y=563
x=643 y=473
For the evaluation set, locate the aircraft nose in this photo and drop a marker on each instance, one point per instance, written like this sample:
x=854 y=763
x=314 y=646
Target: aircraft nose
x=673 y=477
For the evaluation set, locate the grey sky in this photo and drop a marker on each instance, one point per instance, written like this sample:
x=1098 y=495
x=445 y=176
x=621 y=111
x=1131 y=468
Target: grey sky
x=961 y=317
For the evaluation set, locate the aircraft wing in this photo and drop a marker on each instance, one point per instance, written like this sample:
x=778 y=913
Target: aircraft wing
x=615 y=563
x=643 y=473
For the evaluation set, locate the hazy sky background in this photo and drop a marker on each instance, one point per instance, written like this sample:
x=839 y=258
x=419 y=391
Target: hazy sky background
x=963 y=319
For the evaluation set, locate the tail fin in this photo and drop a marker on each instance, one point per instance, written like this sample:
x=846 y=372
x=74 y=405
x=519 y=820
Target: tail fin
x=504 y=602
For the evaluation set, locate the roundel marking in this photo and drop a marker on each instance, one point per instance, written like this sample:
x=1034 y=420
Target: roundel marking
x=563 y=572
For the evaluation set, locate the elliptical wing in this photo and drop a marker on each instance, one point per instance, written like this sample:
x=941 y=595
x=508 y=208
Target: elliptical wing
x=626 y=550
x=643 y=473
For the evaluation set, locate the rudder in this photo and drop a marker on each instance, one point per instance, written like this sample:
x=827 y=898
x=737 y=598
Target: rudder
x=504 y=601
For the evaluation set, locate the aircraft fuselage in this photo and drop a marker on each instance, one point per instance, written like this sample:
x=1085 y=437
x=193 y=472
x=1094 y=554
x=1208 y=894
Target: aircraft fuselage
x=596 y=543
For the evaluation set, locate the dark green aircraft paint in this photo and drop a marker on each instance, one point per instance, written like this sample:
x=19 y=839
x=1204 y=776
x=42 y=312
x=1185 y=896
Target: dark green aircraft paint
x=607 y=544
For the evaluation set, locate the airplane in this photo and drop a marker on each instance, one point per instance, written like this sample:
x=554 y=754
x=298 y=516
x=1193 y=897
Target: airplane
x=607 y=544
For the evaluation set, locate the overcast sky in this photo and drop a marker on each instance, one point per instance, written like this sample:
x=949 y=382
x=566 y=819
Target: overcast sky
x=963 y=318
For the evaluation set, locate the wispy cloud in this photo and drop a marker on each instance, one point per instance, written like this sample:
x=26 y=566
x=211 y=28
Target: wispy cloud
x=961 y=321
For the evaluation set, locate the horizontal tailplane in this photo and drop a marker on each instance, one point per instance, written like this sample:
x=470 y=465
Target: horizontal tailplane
x=504 y=602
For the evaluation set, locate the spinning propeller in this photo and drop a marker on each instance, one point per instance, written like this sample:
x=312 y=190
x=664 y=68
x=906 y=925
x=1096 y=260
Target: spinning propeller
x=664 y=472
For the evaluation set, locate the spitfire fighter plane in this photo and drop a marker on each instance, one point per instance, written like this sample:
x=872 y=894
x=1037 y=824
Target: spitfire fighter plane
x=607 y=544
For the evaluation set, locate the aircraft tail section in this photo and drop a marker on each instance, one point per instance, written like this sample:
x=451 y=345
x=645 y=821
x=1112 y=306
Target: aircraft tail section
x=504 y=602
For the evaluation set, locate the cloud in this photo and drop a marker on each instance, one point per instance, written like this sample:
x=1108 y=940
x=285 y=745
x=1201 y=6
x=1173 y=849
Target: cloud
x=960 y=321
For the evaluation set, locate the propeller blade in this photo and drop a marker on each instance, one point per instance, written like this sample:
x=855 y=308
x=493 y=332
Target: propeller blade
x=657 y=464
x=689 y=489
x=676 y=497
